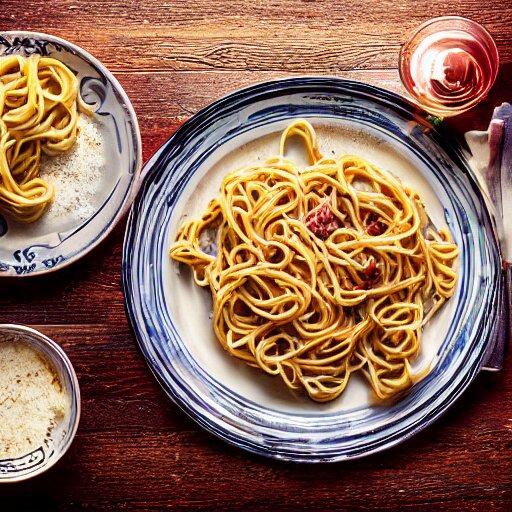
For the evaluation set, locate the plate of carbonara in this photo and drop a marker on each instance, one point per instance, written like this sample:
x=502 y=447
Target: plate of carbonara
x=307 y=269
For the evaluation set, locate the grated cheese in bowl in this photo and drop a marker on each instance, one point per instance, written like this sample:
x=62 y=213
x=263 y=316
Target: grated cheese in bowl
x=32 y=398
x=77 y=173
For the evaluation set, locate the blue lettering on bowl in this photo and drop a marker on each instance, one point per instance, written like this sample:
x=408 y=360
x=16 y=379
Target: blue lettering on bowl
x=51 y=262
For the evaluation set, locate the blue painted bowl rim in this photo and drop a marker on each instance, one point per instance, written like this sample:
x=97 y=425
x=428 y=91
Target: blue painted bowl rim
x=137 y=164
x=401 y=106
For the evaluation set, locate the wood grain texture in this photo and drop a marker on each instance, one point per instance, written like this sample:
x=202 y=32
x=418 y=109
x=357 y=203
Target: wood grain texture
x=249 y=35
x=134 y=449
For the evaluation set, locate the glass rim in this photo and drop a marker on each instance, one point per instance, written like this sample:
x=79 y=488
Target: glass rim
x=439 y=19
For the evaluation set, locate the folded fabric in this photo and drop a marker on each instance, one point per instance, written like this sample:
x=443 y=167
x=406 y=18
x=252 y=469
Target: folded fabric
x=492 y=162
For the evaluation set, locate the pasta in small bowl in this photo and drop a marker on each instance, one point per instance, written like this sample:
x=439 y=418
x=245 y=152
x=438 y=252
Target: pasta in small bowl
x=70 y=153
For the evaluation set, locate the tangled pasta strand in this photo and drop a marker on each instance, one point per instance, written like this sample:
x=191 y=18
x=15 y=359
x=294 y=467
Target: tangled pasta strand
x=39 y=103
x=320 y=272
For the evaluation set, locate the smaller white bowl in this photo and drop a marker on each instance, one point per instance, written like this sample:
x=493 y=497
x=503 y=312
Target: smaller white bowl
x=61 y=237
x=44 y=457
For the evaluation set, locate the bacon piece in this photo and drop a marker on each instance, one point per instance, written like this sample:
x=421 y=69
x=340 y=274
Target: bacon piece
x=322 y=222
x=369 y=275
x=371 y=272
x=376 y=228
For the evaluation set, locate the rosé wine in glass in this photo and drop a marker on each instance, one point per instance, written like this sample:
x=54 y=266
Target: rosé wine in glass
x=448 y=65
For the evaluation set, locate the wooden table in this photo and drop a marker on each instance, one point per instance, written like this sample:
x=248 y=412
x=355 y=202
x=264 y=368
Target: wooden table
x=134 y=449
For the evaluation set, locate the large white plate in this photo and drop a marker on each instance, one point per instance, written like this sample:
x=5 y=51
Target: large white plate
x=171 y=317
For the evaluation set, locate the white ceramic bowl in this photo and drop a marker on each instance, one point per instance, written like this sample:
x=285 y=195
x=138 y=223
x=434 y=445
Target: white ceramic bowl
x=61 y=237
x=44 y=457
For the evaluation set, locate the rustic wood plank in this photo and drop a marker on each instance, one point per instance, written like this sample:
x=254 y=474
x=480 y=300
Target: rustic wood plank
x=253 y=36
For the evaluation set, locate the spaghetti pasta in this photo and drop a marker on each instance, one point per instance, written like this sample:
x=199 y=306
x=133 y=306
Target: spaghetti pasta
x=39 y=104
x=320 y=272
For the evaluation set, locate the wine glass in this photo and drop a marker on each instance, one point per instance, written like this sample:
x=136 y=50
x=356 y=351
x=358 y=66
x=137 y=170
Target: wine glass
x=448 y=65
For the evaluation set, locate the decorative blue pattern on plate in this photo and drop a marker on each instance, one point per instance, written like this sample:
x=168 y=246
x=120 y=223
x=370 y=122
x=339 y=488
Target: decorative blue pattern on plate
x=313 y=435
x=50 y=244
